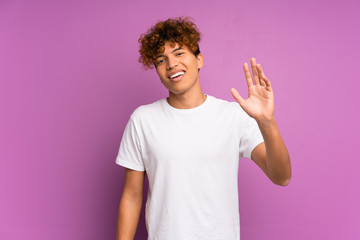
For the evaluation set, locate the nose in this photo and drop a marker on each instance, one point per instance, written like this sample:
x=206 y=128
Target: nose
x=172 y=62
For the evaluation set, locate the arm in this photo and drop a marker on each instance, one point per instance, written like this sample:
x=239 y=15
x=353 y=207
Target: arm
x=130 y=204
x=271 y=156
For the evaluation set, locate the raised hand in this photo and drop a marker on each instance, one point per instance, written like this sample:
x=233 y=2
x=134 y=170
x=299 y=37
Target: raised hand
x=260 y=102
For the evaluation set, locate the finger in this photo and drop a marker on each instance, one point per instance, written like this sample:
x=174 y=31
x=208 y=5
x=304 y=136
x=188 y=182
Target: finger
x=248 y=75
x=254 y=70
x=260 y=72
x=268 y=84
x=263 y=77
x=237 y=96
x=262 y=83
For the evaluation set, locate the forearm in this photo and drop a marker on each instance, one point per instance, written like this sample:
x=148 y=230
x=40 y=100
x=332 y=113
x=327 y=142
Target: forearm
x=128 y=218
x=277 y=156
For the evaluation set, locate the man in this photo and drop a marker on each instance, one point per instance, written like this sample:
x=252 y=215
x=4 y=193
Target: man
x=189 y=144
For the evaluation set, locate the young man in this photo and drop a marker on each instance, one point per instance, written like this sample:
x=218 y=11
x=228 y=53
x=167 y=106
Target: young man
x=189 y=144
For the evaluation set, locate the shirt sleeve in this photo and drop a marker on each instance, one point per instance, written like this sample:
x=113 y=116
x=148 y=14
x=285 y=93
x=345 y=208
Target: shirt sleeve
x=129 y=154
x=251 y=135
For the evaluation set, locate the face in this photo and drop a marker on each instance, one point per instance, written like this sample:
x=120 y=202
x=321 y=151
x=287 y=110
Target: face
x=178 y=69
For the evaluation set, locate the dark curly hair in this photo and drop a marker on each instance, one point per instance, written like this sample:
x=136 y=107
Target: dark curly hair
x=179 y=30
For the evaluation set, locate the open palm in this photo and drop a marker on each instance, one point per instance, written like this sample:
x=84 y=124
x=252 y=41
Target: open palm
x=260 y=103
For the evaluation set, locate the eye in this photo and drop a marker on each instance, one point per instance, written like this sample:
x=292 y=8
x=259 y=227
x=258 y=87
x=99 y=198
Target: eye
x=180 y=53
x=160 y=61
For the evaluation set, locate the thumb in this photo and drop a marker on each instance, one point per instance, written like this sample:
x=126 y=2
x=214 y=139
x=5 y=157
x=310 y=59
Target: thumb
x=237 y=96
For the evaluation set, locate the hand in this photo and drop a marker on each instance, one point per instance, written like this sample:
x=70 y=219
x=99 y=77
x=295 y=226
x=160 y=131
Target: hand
x=260 y=103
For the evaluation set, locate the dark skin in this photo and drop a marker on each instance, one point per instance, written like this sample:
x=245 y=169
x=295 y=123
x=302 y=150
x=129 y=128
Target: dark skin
x=272 y=155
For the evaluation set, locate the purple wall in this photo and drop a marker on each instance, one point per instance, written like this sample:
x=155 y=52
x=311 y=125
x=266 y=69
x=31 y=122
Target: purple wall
x=69 y=80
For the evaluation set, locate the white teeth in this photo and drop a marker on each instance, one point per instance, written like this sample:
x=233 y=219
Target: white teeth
x=177 y=74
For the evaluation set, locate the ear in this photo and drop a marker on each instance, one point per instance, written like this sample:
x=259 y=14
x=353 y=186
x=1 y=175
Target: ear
x=200 y=60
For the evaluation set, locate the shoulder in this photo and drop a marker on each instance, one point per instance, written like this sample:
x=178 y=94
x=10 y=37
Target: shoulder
x=232 y=108
x=225 y=105
x=146 y=110
x=222 y=102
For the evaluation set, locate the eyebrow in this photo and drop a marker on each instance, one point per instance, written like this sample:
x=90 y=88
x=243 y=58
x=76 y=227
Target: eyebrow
x=176 y=49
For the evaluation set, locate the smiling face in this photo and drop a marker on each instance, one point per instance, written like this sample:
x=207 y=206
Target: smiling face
x=178 y=69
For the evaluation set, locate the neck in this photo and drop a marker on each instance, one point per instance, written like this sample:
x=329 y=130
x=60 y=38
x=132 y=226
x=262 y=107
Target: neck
x=186 y=100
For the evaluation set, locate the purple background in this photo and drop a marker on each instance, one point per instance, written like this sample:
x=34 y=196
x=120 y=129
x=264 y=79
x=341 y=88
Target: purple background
x=70 y=80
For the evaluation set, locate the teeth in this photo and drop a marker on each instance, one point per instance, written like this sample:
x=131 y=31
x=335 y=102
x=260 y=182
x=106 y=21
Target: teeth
x=177 y=74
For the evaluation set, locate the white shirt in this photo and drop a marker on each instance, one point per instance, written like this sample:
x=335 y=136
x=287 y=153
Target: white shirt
x=191 y=157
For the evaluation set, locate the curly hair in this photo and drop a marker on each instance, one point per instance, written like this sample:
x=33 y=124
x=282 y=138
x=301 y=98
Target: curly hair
x=179 y=30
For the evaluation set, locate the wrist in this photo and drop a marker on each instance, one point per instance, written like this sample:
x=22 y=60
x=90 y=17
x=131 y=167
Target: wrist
x=266 y=123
